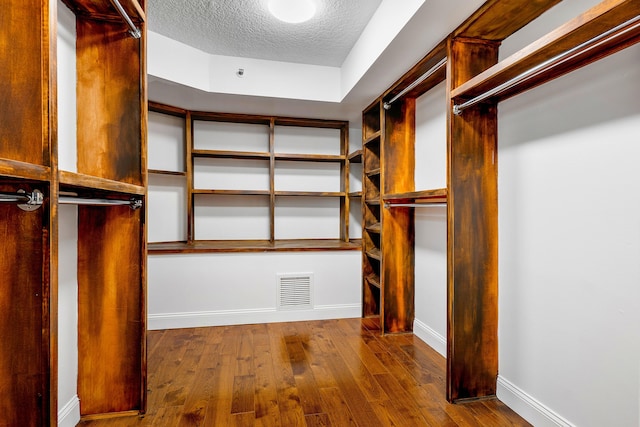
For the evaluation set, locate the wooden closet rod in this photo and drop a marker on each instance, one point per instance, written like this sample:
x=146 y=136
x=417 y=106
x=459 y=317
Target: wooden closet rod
x=133 y=30
x=559 y=59
x=419 y=80
x=72 y=200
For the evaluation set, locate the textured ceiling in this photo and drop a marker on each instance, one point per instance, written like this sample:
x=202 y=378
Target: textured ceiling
x=245 y=28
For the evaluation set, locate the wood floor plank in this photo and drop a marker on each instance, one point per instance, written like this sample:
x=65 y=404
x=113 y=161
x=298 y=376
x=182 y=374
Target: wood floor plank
x=338 y=372
x=337 y=408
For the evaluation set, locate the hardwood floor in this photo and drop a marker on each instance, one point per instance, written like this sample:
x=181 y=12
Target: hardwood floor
x=318 y=373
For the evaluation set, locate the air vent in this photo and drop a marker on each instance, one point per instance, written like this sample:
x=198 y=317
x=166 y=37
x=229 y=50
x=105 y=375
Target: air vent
x=294 y=291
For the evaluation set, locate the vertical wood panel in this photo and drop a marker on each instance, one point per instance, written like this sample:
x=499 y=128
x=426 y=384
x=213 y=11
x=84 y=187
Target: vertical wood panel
x=23 y=361
x=23 y=81
x=109 y=108
x=472 y=341
x=397 y=175
x=110 y=295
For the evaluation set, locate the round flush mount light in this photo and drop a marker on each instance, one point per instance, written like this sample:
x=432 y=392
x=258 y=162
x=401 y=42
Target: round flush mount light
x=292 y=11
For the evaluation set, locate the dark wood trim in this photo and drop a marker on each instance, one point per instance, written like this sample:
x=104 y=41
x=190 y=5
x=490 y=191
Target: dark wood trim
x=302 y=245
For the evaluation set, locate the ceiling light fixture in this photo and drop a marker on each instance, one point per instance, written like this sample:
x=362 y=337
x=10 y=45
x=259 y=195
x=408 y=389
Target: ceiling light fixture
x=292 y=11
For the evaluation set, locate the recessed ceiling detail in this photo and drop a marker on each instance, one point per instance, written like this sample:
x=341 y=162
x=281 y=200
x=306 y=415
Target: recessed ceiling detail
x=245 y=28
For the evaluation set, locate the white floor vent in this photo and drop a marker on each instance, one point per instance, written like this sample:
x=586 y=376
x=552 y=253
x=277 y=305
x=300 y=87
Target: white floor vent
x=295 y=291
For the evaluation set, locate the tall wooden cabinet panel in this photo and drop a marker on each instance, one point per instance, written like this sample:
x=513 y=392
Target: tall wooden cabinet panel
x=24 y=327
x=472 y=233
x=110 y=309
x=397 y=280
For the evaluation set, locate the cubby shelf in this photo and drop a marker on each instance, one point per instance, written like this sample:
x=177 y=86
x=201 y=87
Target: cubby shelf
x=222 y=154
x=23 y=170
x=72 y=180
x=166 y=172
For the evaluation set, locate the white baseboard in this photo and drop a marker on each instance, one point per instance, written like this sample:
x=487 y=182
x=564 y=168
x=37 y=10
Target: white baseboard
x=69 y=414
x=242 y=317
x=528 y=407
x=430 y=336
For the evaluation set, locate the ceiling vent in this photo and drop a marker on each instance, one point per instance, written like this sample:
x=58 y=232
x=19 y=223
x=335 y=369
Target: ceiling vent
x=295 y=291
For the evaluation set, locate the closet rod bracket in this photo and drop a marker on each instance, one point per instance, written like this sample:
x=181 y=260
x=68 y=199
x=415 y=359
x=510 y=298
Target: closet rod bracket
x=34 y=200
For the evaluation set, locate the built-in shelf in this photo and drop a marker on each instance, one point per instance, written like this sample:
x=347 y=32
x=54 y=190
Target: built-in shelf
x=310 y=193
x=373 y=280
x=73 y=180
x=356 y=157
x=310 y=157
x=374 y=228
x=418 y=197
x=16 y=169
x=372 y=202
x=374 y=137
x=165 y=172
x=225 y=154
x=373 y=173
x=374 y=253
x=231 y=192
x=253 y=246
x=355 y=194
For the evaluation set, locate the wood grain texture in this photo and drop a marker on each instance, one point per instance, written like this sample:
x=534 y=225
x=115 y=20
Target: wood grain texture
x=24 y=81
x=397 y=235
x=339 y=373
x=498 y=19
x=582 y=28
x=24 y=329
x=472 y=325
x=109 y=110
x=110 y=309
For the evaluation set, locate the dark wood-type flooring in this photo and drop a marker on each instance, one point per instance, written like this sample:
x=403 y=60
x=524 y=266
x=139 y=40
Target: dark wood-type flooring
x=318 y=373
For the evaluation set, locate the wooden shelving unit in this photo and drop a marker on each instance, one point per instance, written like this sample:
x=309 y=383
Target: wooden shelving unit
x=111 y=153
x=265 y=155
x=476 y=81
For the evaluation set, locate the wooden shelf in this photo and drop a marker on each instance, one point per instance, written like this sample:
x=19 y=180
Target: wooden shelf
x=22 y=170
x=165 y=172
x=224 y=154
x=355 y=194
x=373 y=173
x=419 y=197
x=355 y=157
x=302 y=245
x=72 y=180
x=375 y=254
x=310 y=193
x=231 y=192
x=373 y=202
x=374 y=137
x=310 y=157
x=374 y=228
x=373 y=280
x=582 y=28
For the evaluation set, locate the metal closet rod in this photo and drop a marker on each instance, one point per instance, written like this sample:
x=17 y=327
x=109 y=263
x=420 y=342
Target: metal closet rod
x=419 y=80
x=133 y=30
x=33 y=198
x=586 y=46
x=72 y=200
x=415 y=205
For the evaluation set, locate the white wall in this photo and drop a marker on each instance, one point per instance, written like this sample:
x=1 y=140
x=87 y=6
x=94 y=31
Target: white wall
x=431 y=222
x=69 y=405
x=190 y=290
x=569 y=224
